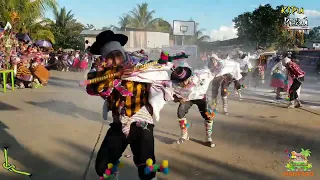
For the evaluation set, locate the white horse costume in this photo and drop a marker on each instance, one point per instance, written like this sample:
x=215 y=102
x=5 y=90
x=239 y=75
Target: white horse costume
x=229 y=67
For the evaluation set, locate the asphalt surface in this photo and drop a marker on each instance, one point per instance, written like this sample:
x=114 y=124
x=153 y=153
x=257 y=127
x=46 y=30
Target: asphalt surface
x=51 y=133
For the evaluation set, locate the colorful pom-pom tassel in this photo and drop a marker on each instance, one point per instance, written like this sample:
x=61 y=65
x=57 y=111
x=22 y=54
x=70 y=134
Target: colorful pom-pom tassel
x=165 y=171
x=187 y=126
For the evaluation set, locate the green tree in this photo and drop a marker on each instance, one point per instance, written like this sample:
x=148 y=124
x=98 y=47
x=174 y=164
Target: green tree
x=314 y=34
x=65 y=20
x=141 y=18
x=40 y=31
x=262 y=26
x=27 y=12
x=89 y=27
x=124 y=22
x=66 y=29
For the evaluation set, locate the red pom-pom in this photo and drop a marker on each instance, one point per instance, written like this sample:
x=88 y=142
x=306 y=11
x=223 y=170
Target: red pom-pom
x=161 y=168
x=151 y=168
x=164 y=57
x=108 y=172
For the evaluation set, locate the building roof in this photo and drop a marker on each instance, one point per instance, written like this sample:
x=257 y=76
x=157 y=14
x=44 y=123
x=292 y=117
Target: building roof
x=315 y=41
x=90 y=32
x=96 y=32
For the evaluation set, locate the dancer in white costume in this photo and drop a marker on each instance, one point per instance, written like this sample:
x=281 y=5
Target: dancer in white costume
x=245 y=68
x=190 y=88
x=225 y=72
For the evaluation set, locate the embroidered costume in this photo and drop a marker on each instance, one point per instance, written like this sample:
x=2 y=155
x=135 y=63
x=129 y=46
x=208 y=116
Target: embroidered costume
x=132 y=114
x=189 y=90
x=135 y=102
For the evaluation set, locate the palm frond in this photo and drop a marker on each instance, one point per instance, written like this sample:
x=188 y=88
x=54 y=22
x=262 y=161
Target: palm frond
x=44 y=35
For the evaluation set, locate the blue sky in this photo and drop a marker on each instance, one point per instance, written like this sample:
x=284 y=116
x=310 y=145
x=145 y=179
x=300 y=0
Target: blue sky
x=211 y=14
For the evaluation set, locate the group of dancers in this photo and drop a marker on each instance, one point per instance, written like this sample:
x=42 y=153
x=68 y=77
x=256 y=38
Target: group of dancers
x=135 y=89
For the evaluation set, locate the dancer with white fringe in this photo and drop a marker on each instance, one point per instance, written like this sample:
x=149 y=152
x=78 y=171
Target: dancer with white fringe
x=190 y=88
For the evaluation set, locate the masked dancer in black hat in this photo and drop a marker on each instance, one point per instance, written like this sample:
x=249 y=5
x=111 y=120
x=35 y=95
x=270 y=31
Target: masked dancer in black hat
x=128 y=100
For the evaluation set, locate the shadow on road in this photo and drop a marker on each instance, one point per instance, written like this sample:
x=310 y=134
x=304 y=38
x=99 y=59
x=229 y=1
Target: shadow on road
x=67 y=108
x=126 y=172
x=208 y=169
x=64 y=84
x=164 y=139
x=7 y=107
x=72 y=81
x=265 y=134
x=41 y=168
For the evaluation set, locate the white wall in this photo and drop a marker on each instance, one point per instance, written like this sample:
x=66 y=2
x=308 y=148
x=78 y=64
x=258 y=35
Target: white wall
x=157 y=39
x=140 y=39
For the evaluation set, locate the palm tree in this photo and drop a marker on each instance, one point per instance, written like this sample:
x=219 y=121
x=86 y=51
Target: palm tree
x=142 y=18
x=124 y=21
x=306 y=153
x=66 y=22
x=39 y=31
x=27 y=12
x=65 y=28
x=198 y=37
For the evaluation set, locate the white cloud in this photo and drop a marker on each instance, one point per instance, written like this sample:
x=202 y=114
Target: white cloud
x=223 y=33
x=312 y=13
x=307 y=13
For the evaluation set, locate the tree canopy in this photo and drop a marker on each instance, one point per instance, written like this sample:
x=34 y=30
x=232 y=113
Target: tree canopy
x=263 y=26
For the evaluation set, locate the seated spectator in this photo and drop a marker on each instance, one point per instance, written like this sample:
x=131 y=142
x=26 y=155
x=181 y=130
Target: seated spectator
x=24 y=75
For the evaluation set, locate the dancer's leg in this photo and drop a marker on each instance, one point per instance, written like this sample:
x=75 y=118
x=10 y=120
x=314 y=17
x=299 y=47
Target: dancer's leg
x=293 y=95
x=182 y=112
x=111 y=148
x=224 y=95
x=208 y=120
x=142 y=146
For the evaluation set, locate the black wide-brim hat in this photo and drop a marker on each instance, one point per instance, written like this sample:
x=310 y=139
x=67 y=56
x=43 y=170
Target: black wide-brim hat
x=180 y=74
x=106 y=37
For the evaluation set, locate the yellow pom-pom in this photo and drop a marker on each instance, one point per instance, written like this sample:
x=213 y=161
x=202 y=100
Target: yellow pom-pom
x=149 y=162
x=165 y=163
x=120 y=165
x=110 y=166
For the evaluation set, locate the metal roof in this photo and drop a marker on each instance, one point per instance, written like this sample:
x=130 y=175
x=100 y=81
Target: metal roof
x=90 y=32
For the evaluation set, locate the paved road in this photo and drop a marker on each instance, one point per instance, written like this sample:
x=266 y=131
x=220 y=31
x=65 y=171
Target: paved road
x=52 y=131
